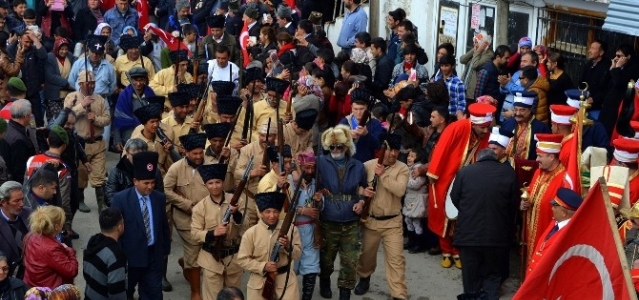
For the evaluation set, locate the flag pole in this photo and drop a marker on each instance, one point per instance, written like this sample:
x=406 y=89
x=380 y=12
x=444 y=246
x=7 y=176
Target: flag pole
x=618 y=243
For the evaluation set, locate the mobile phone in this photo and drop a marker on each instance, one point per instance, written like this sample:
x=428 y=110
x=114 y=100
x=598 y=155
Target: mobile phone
x=265 y=17
x=253 y=39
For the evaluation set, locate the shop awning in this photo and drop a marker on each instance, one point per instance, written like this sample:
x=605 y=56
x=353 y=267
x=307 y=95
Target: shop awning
x=622 y=17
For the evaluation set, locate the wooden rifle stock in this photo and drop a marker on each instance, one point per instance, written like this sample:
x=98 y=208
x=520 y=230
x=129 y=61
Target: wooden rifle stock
x=199 y=112
x=268 y=291
x=219 y=242
x=380 y=161
x=265 y=160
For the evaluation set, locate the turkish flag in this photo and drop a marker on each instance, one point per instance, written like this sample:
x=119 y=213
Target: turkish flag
x=142 y=6
x=585 y=260
x=244 y=39
x=171 y=42
x=291 y=3
x=573 y=169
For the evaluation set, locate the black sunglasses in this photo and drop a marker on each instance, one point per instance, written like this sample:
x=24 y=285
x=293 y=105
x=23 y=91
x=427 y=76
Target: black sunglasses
x=338 y=147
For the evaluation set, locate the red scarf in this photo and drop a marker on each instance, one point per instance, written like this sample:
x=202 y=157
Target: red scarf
x=284 y=48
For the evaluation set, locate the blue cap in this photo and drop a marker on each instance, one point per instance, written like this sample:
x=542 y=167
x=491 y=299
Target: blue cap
x=567 y=199
x=524 y=99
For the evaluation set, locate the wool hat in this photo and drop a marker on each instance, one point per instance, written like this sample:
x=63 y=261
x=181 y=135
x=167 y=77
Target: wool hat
x=179 y=99
x=191 y=89
x=212 y=171
x=316 y=17
x=253 y=74
x=223 y=88
x=193 y=141
x=216 y=21
x=567 y=199
x=306 y=119
x=500 y=137
x=340 y=134
x=128 y=41
x=277 y=85
x=217 y=130
x=525 y=42
x=548 y=143
x=145 y=165
x=360 y=96
x=524 y=99
x=137 y=72
x=17 y=83
x=560 y=114
x=268 y=200
x=178 y=56
x=228 y=105
x=393 y=140
x=481 y=113
x=148 y=112
x=273 y=153
x=60 y=132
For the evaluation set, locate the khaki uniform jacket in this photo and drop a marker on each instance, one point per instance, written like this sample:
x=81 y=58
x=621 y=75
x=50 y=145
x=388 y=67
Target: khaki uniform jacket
x=206 y=216
x=183 y=188
x=255 y=251
x=178 y=129
x=99 y=106
x=122 y=66
x=297 y=142
x=164 y=159
x=262 y=111
x=391 y=187
x=211 y=157
x=252 y=149
x=163 y=83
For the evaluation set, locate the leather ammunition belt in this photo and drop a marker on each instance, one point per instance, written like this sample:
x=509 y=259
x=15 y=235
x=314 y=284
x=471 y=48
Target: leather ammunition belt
x=383 y=218
x=92 y=140
x=342 y=197
x=282 y=270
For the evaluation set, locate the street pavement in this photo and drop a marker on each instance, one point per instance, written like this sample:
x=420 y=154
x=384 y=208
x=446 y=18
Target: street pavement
x=425 y=278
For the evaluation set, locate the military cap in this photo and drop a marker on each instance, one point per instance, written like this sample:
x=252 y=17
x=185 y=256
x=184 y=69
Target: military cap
x=268 y=200
x=136 y=72
x=193 y=141
x=524 y=99
x=228 y=105
x=178 y=56
x=216 y=21
x=574 y=97
x=179 y=99
x=273 y=154
x=61 y=133
x=277 y=85
x=500 y=137
x=212 y=171
x=148 y=112
x=306 y=119
x=145 y=165
x=567 y=199
x=217 y=130
x=223 y=88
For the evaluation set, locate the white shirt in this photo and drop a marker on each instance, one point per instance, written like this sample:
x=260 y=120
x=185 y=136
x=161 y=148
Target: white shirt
x=562 y=224
x=228 y=73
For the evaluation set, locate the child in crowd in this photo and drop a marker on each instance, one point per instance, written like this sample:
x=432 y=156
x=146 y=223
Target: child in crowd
x=414 y=209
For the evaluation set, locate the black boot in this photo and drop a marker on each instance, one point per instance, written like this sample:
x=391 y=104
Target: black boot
x=420 y=244
x=308 y=285
x=411 y=240
x=325 y=288
x=363 y=285
x=166 y=285
x=344 y=294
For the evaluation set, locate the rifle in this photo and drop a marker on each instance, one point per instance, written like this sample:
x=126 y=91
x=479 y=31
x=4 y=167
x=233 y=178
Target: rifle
x=219 y=242
x=380 y=161
x=199 y=112
x=268 y=292
x=318 y=238
x=86 y=74
x=265 y=159
x=228 y=137
x=175 y=156
x=248 y=114
x=280 y=156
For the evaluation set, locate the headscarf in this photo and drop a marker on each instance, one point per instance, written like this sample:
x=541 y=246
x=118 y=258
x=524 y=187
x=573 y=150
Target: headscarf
x=98 y=30
x=56 y=48
x=135 y=31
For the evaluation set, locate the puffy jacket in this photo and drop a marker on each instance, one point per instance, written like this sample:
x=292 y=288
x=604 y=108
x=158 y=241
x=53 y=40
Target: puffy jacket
x=121 y=178
x=541 y=87
x=339 y=210
x=48 y=263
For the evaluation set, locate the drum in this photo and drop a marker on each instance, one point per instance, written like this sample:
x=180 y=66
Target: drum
x=449 y=207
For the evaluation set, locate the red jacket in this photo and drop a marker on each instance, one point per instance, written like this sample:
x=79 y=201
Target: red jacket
x=48 y=263
x=338 y=108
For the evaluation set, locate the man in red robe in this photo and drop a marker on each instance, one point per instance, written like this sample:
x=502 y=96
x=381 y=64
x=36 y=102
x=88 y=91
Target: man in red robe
x=560 y=119
x=455 y=149
x=563 y=208
x=625 y=155
x=543 y=188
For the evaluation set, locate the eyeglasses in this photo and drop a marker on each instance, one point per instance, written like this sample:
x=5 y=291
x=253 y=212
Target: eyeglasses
x=4 y=269
x=338 y=147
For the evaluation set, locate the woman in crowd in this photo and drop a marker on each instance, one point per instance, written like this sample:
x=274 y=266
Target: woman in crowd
x=58 y=67
x=49 y=263
x=266 y=41
x=559 y=80
x=54 y=16
x=10 y=288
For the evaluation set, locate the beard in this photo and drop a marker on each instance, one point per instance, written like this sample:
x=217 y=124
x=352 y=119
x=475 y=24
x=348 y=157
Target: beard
x=338 y=155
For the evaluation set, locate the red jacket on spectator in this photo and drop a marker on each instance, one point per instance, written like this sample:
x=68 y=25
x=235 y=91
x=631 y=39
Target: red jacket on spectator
x=48 y=263
x=338 y=109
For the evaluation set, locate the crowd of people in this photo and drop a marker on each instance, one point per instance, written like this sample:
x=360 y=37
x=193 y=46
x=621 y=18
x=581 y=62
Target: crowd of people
x=270 y=155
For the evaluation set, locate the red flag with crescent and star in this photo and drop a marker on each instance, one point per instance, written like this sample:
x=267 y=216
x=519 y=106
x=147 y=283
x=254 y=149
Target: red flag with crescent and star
x=573 y=169
x=585 y=260
x=170 y=41
x=142 y=6
x=244 y=39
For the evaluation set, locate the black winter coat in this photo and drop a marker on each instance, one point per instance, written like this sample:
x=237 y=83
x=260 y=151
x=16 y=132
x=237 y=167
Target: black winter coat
x=121 y=178
x=487 y=197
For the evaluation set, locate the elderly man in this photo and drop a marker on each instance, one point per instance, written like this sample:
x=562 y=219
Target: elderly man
x=485 y=222
x=18 y=143
x=474 y=59
x=93 y=115
x=14 y=225
x=119 y=17
x=103 y=71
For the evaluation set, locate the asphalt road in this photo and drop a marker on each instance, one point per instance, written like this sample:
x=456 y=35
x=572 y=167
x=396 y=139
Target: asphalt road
x=426 y=279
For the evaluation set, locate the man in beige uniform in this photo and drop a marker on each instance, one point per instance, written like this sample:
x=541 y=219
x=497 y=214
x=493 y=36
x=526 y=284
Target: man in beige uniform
x=207 y=228
x=217 y=90
x=227 y=110
x=150 y=116
x=255 y=149
x=216 y=152
x=92 y=115
x=184 y=188
x=131 y=58
x=178 y=120
x=273 y=181
x=263 y=110
x=298 y=132
x=384 y=223
x=257 y=244
x=164 y=83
